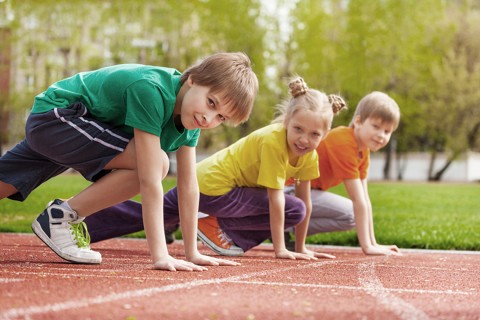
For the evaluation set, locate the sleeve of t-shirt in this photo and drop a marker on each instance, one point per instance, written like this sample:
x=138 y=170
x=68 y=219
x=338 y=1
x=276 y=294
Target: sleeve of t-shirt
x=343 y=161
x=272 y=167
x=309 y=170
x=193 y=141
x=145 y=109
x=364 y=165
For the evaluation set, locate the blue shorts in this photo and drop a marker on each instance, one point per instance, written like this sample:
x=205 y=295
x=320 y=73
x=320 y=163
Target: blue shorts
x=57 y=140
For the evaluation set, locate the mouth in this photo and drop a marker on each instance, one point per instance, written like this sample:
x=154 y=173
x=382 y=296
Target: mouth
x=196 y=123
x=300 y=148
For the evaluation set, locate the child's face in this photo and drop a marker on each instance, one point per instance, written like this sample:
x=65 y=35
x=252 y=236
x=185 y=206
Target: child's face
x=202 y=109
x=305 y=130
x=373 y=133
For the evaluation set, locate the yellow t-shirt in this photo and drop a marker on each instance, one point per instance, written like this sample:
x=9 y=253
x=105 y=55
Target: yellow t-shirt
x=259 y=160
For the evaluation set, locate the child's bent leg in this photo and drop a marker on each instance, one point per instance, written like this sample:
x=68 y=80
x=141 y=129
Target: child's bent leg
x=244 y=215
x=116 y=221
x=330 y=212
x=22 y=170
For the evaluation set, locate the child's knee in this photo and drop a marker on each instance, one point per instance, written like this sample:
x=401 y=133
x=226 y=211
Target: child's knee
x=296 y=211
x=6 y=190
x=165 y=164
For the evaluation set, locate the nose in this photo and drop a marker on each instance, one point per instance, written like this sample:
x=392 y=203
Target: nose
x=304 y=139
x=204 y=120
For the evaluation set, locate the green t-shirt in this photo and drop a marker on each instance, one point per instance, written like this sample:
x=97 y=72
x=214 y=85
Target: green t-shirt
x=126 y=96
x=258 y=160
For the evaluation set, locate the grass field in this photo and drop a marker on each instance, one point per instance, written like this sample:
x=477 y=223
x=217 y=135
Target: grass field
x=410 y=215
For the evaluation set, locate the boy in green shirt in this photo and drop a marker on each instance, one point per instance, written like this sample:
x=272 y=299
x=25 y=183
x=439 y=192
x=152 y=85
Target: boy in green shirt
x=115 y=126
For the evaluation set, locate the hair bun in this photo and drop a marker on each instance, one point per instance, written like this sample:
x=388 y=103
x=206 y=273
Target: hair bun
x=297 y=87
x=338 y=104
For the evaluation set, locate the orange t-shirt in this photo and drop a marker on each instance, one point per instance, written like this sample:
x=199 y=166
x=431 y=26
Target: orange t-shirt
x=340 y=159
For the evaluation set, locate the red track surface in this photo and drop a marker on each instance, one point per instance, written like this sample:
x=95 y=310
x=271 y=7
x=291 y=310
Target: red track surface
x=36 y=284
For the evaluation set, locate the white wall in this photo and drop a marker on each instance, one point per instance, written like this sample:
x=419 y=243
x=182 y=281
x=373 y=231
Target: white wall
x=465 y=168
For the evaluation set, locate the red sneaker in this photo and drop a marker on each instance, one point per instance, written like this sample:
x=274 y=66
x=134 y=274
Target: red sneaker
x=210 y=233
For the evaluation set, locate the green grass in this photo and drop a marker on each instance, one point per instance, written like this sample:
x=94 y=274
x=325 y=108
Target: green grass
x=410 y=215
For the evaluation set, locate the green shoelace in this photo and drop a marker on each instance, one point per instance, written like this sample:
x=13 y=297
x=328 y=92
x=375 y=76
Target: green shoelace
x=80 y=233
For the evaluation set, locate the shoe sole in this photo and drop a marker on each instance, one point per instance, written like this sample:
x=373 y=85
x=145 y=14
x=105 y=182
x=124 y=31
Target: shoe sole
x=37 y=229
x=224 y=252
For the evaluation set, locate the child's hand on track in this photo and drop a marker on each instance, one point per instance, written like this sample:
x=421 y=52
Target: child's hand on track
x=286 y=254
x=204 y=260
x=381 y=251
x=392 y=247
x=318 y=254
x=171 y=264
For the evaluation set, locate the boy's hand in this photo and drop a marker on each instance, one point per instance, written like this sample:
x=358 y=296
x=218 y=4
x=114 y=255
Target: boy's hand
x=382 y=251
x=204 y=260
x=171 y=264
x=286 y=254
x=318 y=254
x=391 y=248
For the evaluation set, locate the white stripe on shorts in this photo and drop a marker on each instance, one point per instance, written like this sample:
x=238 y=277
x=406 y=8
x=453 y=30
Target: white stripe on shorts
x=106 y=144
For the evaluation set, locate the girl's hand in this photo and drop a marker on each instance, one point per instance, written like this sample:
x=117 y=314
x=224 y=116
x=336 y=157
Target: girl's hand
x=285 y=254
x=318 y=254
x=204 y=260
x=171 y=264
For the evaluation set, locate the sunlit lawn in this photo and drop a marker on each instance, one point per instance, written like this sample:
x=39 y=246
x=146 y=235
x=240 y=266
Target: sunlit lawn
x=411 y=215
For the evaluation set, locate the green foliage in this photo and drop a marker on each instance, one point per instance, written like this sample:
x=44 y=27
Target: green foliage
x=431 y=216
x=425 y=54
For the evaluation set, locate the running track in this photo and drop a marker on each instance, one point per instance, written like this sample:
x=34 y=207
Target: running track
x=36 y=284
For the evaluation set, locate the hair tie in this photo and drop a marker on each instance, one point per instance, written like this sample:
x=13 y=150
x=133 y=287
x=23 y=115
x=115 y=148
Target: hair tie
x=297 y=87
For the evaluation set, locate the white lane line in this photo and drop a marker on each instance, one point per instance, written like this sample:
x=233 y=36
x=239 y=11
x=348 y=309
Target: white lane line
x=85 y=302
x=8 y=280
x=328 y=286
x=373 y=286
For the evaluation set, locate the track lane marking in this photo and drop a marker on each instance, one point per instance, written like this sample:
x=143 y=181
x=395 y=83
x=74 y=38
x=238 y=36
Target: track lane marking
x=373 y=286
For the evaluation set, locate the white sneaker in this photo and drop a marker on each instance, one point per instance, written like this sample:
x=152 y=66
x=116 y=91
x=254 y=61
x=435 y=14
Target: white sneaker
x=65 y=233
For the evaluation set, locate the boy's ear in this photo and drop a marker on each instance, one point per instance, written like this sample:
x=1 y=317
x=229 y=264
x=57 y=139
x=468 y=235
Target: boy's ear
x=190 y=80
x=357 y=120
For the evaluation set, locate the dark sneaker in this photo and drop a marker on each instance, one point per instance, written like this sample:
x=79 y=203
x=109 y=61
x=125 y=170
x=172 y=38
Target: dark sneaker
x=170 y=233
x=210 y=233
x=65 y=233
x=289 y=243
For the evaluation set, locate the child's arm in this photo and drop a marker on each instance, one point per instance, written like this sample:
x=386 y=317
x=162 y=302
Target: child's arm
x=152 y=166
x=362 y=209
x=302 y=191
x=188 y=198
x=276 y=199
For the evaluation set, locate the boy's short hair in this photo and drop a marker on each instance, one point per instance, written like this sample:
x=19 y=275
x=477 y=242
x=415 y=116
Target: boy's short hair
x=378 y=105
x=229 y=74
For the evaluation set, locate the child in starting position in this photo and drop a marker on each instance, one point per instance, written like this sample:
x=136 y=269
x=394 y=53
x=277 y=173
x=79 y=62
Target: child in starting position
x=344 y=156
x=114 y=126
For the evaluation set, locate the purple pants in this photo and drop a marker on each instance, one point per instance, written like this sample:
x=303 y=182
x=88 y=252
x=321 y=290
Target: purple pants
x=243 y=213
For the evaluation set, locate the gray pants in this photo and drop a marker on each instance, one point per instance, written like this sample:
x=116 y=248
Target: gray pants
x=330 y=212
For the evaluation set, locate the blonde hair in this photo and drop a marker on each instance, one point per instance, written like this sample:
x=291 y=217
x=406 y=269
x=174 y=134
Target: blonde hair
x=229 y=74
x=305 y=98
x=378 y=105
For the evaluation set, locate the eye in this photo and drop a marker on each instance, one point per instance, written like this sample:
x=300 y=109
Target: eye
x=211 y=103
x=222 y=118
